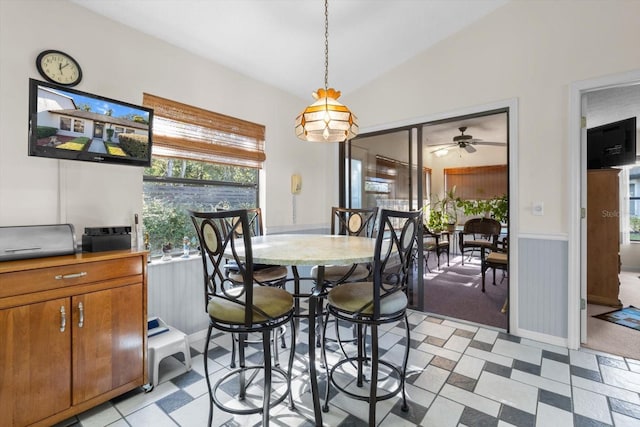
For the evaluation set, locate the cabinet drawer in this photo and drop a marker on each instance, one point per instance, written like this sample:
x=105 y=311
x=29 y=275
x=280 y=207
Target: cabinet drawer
x=42 y=279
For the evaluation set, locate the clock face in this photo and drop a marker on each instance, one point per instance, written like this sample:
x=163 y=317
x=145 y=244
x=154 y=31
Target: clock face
x=58 y=67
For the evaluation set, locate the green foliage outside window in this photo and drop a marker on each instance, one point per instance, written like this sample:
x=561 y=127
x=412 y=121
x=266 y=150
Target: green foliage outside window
x=635 y=228
x=173 y=186
x=177 y=168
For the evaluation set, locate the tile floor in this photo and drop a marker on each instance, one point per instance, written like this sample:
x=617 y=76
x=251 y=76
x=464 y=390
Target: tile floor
x=459 y=375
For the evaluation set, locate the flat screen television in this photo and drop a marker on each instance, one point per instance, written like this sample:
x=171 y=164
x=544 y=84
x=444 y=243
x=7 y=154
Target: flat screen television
x=69 y=124
x=613 y=144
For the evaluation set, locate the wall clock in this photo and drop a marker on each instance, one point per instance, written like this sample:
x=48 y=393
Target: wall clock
x=59 y=67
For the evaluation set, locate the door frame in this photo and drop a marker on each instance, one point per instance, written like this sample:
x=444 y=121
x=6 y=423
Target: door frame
x=511 y=105
x=577 y=182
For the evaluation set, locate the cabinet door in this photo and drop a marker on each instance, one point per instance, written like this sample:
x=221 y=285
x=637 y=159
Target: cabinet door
x=35 y=363
x=603 y=236
x=107 y=340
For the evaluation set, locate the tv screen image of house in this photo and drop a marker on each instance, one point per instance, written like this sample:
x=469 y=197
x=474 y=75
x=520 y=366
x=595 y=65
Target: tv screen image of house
x=70 y=124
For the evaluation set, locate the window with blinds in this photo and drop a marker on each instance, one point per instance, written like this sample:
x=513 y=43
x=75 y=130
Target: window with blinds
x=477 y=182
x=201 y=161
x=192 y=133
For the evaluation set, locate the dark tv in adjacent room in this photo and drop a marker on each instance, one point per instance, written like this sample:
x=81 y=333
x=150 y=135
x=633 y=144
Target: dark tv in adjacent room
x=70 y=124
x=613 y=144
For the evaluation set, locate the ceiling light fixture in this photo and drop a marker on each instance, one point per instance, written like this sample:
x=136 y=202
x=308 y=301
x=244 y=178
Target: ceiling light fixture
x=326 y=120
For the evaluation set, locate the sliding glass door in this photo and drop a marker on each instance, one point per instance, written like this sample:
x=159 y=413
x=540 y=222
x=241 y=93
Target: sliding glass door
x=381 y=170
x=464 y=159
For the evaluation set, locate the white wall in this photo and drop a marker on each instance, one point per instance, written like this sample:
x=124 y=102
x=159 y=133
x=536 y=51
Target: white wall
x=121 y=63
x=530 y=50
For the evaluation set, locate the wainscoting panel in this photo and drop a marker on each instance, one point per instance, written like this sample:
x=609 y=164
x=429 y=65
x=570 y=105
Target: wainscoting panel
x=543 y=285
x=176 y=293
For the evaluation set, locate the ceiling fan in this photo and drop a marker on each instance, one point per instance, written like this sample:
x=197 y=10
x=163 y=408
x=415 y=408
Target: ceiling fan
x=465 y=141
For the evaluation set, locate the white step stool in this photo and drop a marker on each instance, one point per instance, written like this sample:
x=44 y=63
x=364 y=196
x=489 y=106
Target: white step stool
x=164 y=344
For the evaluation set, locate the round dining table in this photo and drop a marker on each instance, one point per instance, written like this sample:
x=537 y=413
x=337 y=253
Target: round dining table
x=308 y=250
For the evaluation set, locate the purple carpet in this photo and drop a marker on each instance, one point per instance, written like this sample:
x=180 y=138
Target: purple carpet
x=456 y=291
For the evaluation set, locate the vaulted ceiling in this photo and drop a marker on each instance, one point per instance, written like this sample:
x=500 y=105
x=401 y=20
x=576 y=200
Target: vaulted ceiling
x=281 y=42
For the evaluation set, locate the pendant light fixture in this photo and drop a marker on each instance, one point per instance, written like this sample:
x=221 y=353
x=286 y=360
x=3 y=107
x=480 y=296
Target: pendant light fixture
x=326 y=120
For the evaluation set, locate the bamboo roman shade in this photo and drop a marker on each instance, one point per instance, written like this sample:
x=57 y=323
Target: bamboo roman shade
x=187 y=132
x=477 y=183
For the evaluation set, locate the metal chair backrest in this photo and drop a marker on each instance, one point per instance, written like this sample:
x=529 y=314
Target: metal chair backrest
x=394 y=253
x=255 y=227
x=487 y=228
x=220 y=232
x=353 y=222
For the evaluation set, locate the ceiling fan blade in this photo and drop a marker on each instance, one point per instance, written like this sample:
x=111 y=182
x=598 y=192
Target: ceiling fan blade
x=495 y=143
x=469 y=148
x=441 y=147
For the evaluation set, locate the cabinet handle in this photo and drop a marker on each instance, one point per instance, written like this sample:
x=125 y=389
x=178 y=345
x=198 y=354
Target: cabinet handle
x=70 y=276
x=81 y=310
x=63 y=319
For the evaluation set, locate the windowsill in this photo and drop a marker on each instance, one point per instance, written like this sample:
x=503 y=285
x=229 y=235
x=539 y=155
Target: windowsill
x=156 y=262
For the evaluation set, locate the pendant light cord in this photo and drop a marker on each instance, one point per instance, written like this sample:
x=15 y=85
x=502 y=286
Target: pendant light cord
x=326 y=45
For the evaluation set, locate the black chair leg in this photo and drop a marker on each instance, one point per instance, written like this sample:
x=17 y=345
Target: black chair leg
x=405 y=362
x=206 y=375
x=361 y=356
x=266 y=398
x=319 y=323
x=373 y=391
x=233 y=351
x=283 y=342
x=426 y=262
x=325 y=407
x=292 y=355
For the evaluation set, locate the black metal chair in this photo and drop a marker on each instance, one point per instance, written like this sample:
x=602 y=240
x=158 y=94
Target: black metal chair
x=372 y=304
x=263 y=274
x=241 y=307
x=437 y=243
x=479 y=234
x=347 y=222
x=270 y=275
x=496 y=260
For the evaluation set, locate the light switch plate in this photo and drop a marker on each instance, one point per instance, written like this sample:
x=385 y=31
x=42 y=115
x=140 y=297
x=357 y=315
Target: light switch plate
x=537 y=208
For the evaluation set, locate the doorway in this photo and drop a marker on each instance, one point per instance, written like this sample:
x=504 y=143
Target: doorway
x=98 y=130
x=579 y=317
x=610 y=287
x=381 y=166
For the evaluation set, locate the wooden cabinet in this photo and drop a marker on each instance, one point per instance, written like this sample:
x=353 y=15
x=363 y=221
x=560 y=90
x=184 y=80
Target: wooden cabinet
x=73 y=334
x=603 y=237
x=35 y=373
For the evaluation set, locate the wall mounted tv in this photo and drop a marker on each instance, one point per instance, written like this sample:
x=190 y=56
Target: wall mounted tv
x=613 y=144
x=69 y=124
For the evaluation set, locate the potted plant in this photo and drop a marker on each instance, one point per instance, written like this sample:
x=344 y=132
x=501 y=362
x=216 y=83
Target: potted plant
x=449 y=206
x=434 y=220
x=443 y=214
x=497 y=208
